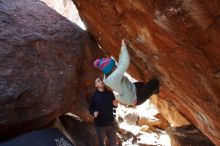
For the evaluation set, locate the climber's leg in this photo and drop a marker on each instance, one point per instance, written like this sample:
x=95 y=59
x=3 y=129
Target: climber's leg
x=145 y=90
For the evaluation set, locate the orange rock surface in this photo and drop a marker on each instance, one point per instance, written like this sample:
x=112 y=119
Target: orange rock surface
x=175 y=40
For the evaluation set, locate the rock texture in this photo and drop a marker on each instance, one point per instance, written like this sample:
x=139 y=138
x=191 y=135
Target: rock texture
x=82 y=133
x=187 y=136
x=45 y=66
x=169 y=111
x=175 y=40
x=65 y=8
x=158 y=121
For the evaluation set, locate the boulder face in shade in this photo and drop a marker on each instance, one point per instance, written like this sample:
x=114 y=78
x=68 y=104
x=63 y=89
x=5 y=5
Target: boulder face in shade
x=45 y=66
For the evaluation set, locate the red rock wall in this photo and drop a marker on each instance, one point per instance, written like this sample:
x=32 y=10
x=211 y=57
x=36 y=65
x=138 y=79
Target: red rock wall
x=175 y=40
x=173 y=116
x=46 y=66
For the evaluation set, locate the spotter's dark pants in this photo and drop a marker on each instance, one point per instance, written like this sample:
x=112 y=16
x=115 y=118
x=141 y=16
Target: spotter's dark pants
x=108 y=131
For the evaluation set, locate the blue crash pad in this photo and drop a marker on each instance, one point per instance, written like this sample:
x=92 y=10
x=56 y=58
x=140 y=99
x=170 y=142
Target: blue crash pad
x=44 y=137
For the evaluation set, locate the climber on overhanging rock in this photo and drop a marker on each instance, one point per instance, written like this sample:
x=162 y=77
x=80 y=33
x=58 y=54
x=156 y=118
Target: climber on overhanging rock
x=129 y=93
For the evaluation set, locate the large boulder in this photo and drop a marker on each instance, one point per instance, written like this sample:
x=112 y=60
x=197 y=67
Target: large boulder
x=45 y=66
x=175 y=40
